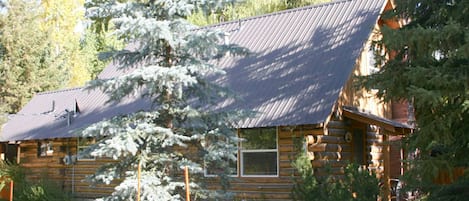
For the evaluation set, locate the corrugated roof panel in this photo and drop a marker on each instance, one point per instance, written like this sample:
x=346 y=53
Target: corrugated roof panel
x=33 y=123
x=42 y=103
x=301 y=59
x=318 y=51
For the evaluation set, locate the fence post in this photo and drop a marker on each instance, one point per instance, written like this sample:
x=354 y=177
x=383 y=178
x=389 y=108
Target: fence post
x=186 y=175
x=11 y=190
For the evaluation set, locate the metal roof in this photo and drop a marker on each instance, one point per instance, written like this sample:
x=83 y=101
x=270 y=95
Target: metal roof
x=39 y=119
x=301 y=59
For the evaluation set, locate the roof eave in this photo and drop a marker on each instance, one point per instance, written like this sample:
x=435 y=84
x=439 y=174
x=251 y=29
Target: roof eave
x=396 y=129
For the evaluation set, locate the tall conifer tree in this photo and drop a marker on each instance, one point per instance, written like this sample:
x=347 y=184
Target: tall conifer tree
x=429 y=67
x=27 y=62
x=172 y=64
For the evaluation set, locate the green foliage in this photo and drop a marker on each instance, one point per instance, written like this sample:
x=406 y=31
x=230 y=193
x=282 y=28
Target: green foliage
x=3 y=116
x=356 y=184
x=60 y=20
x=28 y=63
x=74 y=42
x=24 y=189
x=42 y=48
x=91 y=45
x=248 y=8
x=307 y=186
x=259 y=138
x=458 y=191
x=429 y=68
x=300 y=3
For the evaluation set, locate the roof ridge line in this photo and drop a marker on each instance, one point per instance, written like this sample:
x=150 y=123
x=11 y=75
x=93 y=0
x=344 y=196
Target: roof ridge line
x=332 y=2
x=60 y=90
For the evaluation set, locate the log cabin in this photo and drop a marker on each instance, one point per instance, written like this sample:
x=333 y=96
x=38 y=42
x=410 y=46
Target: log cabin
x=299 y=80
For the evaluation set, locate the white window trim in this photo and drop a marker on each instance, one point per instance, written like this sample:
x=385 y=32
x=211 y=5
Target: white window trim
x=241 y=158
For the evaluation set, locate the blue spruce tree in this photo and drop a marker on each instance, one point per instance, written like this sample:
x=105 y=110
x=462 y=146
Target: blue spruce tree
x=171 y=62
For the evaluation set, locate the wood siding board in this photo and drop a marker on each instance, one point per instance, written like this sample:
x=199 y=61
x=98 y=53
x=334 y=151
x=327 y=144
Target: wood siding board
x=65 y=175
x=336 y=132
x=335 y=151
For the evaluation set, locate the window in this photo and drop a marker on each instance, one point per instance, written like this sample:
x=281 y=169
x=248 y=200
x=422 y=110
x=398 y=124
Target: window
x=359 y=146
x=84 y=143
x=44 y=148
x=259 y=153
x=212 y=169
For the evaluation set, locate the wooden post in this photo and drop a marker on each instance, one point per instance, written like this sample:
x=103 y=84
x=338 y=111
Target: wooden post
x=387 y=167
x=11 y=190
x=139 y=169
x=188 y=191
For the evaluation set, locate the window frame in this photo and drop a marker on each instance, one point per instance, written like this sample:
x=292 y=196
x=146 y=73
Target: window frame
x=81 y=147
x=242 y=151
x=47 y=150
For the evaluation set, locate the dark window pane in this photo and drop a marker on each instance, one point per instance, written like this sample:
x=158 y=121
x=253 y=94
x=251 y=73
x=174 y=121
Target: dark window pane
x=86 y=141
x=212 y=169
x=83 y=144
x=260 y=163
x=358 y=146
x=259 y=138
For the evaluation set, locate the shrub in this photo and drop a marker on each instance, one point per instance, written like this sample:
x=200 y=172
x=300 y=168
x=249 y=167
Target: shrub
x=26 y=190
x=356 y=184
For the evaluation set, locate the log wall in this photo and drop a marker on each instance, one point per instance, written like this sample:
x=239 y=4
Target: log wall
x=375 y=145
x=326 y=147
x=328 y=151
x=361 y=98
x=290 y=142
x=331 y=150
x=70 y=178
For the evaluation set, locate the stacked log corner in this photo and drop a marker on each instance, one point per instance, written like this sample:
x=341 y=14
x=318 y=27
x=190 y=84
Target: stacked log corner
x=329 y=149
x=276 y=188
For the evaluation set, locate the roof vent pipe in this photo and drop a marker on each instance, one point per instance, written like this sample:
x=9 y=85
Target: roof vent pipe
x=69 y=117
x=52 y=109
